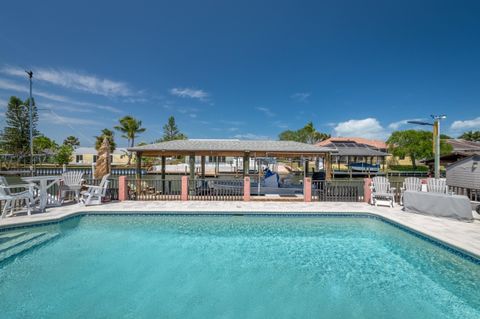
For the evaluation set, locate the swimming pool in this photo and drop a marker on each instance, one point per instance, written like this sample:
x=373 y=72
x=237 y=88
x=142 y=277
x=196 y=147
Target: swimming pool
x=233 y=267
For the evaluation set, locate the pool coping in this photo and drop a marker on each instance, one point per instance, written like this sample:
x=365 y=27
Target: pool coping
x=236 y=208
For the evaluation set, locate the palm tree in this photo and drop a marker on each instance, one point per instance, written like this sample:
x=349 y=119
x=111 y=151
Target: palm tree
x=106 y=133
x=473 y=136
x=307 y=134
x=71 y=141
x=130 y=128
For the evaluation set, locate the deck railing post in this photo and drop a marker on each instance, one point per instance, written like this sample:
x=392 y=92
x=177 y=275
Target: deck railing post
x=307 y=189
x=367 y=192
x=122 y=188
x=246 y=189
x=184 y=194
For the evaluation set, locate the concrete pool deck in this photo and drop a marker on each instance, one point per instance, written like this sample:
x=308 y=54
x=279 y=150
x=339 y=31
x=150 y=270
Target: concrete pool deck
x=464 y=236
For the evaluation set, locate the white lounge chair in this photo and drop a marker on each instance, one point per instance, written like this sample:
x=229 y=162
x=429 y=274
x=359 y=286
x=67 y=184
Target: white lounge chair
x=382 y=191
x=71 y=182
x=410 y=184
x=11 y=197
x=94 y=194
x=438 y=185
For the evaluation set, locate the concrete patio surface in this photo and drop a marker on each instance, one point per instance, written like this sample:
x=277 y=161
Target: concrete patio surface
x=462 y=235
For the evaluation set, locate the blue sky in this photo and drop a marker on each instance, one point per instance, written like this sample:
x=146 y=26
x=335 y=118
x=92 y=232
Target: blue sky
x=243 y=69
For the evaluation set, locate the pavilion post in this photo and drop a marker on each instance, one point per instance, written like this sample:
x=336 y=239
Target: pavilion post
x=246 y=164
x=138 y=162
x=202 y=166
x=163 y=169
x=191 y=166
x=327 y=166
x=305 y=174
x=191 y=162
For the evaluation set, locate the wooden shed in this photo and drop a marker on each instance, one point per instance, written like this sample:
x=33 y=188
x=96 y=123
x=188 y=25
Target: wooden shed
x=465 y=173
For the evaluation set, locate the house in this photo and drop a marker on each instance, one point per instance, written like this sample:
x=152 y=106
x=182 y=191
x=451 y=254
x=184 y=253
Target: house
x=88 y=155
x=354 y=150
x=460 y=150
x=375 y=144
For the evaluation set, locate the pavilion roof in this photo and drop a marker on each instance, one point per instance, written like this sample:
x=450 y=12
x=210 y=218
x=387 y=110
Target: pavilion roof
x=231 y=147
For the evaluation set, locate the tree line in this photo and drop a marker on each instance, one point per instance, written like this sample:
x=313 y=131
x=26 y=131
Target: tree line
x=15 y=137
x=416 y=144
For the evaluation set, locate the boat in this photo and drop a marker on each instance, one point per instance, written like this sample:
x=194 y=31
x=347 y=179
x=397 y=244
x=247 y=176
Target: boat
x=270 y=184
x=364 y=167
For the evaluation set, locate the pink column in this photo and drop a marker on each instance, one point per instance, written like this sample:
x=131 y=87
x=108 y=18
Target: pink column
x=246 y=189
x=184 y=195
x=307 y=189
x=367 y=192
x=122 y=188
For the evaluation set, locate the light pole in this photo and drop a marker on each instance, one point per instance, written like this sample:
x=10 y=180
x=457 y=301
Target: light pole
x=436 y=139
x=30 y=115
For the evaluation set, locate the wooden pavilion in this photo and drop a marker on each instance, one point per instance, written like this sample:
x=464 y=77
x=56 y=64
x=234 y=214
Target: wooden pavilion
x=235 y=148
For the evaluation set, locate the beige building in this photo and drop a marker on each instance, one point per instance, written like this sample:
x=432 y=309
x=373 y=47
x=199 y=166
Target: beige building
x=88 y=155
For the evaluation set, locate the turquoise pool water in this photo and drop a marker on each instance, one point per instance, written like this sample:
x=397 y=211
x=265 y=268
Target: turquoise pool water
x=236 y=267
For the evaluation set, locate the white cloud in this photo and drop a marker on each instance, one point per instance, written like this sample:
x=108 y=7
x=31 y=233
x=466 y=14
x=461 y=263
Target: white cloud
x=466 y=125
x=280 y=124
x=251 y=136
x=367 y=128
x=11 y=86
x=66 y=107
x=301 y=97
x=190 y=93
x=398 y=124
x=54 y=118
x=75 y=80
x=234 y=123
x=266 y=111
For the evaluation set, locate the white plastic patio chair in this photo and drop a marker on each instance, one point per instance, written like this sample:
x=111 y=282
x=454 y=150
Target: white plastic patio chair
x=438 y=185
x=71 y=182
x=11 y=197
x=94 y=194
x=410 y=184
x=382 y=191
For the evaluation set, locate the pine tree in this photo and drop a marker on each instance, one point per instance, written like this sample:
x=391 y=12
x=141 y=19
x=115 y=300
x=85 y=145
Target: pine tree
x=16 y=134
x=171 y=132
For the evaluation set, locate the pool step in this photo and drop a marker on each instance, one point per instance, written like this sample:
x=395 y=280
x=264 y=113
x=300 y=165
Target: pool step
x=9 y=236
x=19 y=240
x=24 y=242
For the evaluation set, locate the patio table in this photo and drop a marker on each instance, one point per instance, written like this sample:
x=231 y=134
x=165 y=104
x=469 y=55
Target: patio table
x=44 y=184
x=436 y=204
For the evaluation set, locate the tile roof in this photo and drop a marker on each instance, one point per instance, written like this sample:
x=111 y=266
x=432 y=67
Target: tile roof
x=360 y=140
x=463 y=145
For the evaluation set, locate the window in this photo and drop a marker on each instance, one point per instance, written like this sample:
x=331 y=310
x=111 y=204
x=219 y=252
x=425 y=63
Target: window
x=95 y=157
x=79 y=159
x=111 y=159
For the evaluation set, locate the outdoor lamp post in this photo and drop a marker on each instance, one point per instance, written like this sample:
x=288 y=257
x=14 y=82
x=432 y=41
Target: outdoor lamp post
x=29 y=107
x=436 y=138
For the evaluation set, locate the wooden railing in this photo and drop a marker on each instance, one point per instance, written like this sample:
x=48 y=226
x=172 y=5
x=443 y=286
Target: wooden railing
x=215 y=189
x=154 y=189
x=472 y=193
x=45 y=171
x=338 y=191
